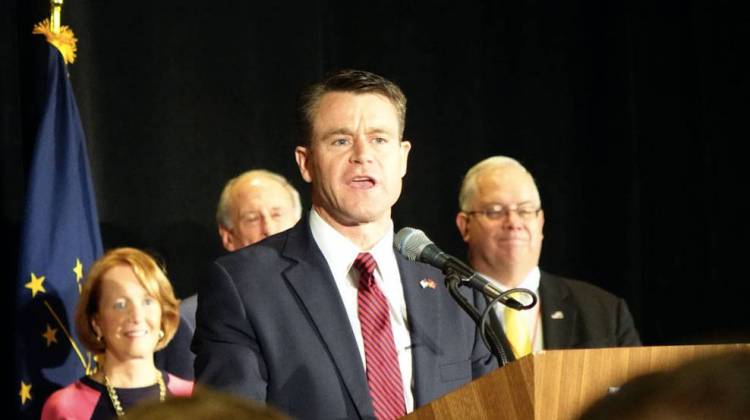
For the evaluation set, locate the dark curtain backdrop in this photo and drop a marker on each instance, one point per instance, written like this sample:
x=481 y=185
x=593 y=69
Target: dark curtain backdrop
x=631 y=115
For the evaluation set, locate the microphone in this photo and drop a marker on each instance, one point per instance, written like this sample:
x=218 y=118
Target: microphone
x=416 y=246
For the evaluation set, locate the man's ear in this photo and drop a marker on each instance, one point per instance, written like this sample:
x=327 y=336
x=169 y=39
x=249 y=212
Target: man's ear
x=405 y=148
x=226 y=238
x=462 y=223
x=541 y=222
x=302 y=156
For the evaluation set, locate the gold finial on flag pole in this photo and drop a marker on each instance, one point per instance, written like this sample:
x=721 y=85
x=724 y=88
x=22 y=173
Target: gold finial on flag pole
x=59 y=35
x=54 y=20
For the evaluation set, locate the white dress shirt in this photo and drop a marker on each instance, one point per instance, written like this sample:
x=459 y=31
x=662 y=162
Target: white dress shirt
x=532 y=317
x=340 y=254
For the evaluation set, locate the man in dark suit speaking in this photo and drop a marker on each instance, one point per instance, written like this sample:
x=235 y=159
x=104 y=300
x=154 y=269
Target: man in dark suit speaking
x=501 y=220
x=325 y=320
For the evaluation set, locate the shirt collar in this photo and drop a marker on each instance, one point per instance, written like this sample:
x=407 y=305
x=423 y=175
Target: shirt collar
x=385 y=257
x=340 y=252
x=531 y=281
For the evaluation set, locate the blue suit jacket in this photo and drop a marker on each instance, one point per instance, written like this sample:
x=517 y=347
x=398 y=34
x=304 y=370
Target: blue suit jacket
x=271 y=326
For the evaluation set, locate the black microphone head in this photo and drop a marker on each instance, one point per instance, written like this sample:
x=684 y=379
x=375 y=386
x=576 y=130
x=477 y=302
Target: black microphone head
x=411 y=242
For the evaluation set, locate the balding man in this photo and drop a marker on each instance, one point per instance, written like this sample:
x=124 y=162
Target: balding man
x=501 y=221
x=254 y=205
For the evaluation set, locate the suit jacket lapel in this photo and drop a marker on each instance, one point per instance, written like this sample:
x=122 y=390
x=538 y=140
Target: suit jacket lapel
x=559 y=314
x=424 y=308
x=312 y=281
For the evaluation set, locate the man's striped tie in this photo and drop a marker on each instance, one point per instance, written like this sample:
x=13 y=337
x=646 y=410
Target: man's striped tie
x=381 y=359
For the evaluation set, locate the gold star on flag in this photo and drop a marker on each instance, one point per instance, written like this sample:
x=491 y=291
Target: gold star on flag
x=50 y=335
x=36 y=285
x=25 y=392
x=78 y=269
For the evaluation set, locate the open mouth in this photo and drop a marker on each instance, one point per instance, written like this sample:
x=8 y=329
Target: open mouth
x=362 y=182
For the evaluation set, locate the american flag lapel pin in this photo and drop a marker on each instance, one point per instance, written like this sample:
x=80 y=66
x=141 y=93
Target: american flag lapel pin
x=428 y=282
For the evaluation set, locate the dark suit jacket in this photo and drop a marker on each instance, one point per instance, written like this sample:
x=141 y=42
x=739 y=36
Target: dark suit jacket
x=271 y=326
x=176 y=358
x=188 y=307
x=577 y=315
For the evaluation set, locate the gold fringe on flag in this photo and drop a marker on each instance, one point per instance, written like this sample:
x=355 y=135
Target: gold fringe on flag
x=64 y=41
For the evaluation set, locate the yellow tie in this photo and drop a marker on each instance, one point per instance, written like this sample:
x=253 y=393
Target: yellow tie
x=517 y=331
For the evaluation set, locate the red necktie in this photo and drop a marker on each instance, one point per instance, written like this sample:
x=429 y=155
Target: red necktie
x=383 y=373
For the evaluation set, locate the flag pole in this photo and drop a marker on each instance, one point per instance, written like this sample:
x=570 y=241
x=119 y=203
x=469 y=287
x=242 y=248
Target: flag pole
x=54 y=19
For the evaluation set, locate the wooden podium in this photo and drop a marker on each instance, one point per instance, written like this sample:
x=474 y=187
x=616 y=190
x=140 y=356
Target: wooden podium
x=558 y=384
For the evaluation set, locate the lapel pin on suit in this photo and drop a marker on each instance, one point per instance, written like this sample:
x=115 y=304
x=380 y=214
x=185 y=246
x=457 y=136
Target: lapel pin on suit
x=557 y=315
x=428 y=282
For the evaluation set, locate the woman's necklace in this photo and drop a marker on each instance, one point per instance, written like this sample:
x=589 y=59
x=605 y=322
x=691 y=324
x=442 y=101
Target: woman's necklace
x=116 y=401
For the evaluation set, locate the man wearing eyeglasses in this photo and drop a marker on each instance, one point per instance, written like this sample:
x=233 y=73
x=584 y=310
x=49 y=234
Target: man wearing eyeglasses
x=501 y=220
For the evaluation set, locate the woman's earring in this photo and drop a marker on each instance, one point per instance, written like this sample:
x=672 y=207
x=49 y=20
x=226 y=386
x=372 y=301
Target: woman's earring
x=161 y=334
x=99 y=338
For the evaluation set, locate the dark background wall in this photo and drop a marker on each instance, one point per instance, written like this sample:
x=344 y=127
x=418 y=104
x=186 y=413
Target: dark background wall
x=629 y=113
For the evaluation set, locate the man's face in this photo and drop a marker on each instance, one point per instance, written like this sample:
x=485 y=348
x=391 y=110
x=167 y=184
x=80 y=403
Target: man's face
x=511 y=242
x=355 y=160
x=258 y=208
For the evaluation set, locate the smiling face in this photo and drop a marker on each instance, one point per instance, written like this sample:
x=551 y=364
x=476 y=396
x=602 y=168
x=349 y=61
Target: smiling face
x=506 y=248
x=355 y=160
x=129 y=318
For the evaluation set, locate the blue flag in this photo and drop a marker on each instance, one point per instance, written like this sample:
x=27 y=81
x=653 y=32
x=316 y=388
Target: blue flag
x=59 y=242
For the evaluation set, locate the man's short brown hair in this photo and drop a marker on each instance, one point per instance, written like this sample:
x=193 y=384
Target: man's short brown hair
x=353 y=81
